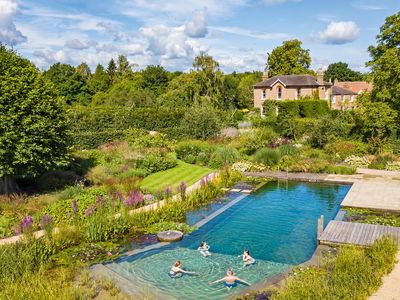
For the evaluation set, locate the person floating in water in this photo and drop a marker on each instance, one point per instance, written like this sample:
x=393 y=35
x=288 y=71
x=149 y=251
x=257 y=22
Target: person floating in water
x=230 y=280
x=177 y=271
x=204 y=249
x=247 y=259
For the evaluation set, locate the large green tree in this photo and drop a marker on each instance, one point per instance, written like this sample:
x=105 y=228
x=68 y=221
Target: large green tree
x=33 y=135
x=99 y=80
x=385 y=63
x=289 y=59
x=341 y=72
x=155 y=78
x=69 y=83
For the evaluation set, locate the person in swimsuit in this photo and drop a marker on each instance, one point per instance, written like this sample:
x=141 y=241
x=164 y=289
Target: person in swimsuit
x=247 y=259
x=177 y=271
x=204 y=249
x=230 y=280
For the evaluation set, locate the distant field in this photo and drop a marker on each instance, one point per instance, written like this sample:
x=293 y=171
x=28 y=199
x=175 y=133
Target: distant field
x=182 y=172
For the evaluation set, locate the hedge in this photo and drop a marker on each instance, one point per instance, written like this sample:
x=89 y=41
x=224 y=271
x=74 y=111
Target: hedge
x=101 y=118
x=297 y=108
x=93 y=139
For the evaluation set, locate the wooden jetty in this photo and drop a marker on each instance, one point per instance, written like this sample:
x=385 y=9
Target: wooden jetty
x=339 y=232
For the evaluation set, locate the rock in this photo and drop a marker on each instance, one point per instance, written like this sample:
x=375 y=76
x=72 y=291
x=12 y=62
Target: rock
x=170 y=236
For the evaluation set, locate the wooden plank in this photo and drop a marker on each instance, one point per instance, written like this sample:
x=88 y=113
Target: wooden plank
x=374 y=233
x=368 y=235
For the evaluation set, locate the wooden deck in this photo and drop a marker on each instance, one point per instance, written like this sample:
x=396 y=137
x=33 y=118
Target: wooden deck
x=339 y=232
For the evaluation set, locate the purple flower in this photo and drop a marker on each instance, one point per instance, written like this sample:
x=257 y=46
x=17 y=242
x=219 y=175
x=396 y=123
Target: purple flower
x=26 y=223
x=46 y=220
x=203 y=181
x=133 y=198
x=90 y=210
x=100 y=201
x=159 y=194
x=168 y=191
x=124 y=168
x=74 y=207
x=149 y=197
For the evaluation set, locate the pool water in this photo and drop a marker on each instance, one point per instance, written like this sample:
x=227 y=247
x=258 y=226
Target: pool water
x=278 y=224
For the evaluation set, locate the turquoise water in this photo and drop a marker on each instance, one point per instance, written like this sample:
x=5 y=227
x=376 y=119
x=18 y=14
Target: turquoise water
x=278 y=224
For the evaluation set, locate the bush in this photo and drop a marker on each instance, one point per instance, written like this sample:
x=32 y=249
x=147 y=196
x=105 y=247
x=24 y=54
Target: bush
x=393 y=166
x=256 y=139
x=346 y=148
x=154 y=163
x=132 y=172
x=297 y=108
x=318 y=165
x=188 y=148
x=325 y=130
x=98 y=175
x=288 y=150
x=268 y=157
x=139 y=139
x=340 y=170
x=357 y=162
x=222 y=156
x=201 y=122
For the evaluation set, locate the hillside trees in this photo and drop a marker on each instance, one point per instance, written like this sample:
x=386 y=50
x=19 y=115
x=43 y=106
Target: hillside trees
x=289 y=59
x=33 y=135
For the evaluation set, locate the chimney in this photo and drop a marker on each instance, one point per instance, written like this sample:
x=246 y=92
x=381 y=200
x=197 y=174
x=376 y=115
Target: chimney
x=265 y=75
x=320 y=76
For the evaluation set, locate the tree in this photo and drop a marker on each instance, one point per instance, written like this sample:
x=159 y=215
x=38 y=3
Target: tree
x=155 y=78
x=385 y=63
x=200 y=122
x=209 y=78
x=289 y=59
x=68 y=83
x=341 y=72
x=111 y=70
x=99 y=81
x=33 y=135
x=246 y=89
x=124 y=68
x=84 y=70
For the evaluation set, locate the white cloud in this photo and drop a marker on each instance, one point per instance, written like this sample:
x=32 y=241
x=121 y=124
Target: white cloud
x=248 y=33
x=365 y=6
x=79 y=45
x=197 y=27
x=338 y=33
x=8 y=31
x=274 y=2
x=112 y=30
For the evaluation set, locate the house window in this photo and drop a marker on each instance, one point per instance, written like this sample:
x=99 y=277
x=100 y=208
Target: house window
x=264 y=94
x=279 y=93
x=333 y=99
x=298 y=94
x=352 y=98
x=342 y=99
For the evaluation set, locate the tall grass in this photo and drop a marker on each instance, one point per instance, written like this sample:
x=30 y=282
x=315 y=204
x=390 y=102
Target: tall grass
x=355 y=274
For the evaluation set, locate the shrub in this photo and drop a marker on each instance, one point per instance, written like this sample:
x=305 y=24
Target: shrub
x=346 y=148
x=268 y=157
x=325 y=130
x=340 y=170
x=139 y=138
x=98 y=175
x=201 y=122
x=357 y=162
x=188 y=148
x=222 y=156
x=132 y=172
x=393 y=166
x=318 y=165
x=288 y=150
x=154 y=163
x=256 y=139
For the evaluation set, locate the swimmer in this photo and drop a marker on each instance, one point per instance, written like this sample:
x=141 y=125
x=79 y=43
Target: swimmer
x=176 y=270
x=247 y=259
x=230 y=280
x=204 y=249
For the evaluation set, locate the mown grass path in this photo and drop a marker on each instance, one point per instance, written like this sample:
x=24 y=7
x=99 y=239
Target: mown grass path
x=173 y=177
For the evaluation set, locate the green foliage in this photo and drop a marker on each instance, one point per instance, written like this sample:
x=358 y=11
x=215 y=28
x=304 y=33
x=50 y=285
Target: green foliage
x=289 y=59
x=164 y=226
x=87 y=254
x=354 y=273
x=5 y=226
x=69 y=84
x=200 y=122
x=154 y=163
x=297 y=108
x=325 y=130
x=288 y=150
x=385 y=63
x=155 y=79
x=267 y=156
x=255 y=139
x=194 y=152
x=344 y=170
x=346 y=148
x=139 y=139
x=223 y=155
x=370 y=216
x=33 y=135
x=341 y=72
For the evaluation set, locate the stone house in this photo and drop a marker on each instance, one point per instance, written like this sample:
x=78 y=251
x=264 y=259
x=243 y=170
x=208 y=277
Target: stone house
x=295 y=87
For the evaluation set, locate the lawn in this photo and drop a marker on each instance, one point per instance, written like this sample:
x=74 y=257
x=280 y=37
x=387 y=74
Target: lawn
x=182 y=172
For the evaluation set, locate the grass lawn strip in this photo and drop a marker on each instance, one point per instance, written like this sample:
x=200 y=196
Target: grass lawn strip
x=183 y=172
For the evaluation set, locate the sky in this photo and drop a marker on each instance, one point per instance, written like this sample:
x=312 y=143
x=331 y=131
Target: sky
x=239 y=34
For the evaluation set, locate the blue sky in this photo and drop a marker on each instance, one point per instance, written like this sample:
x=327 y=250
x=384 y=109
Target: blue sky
x=237 y=33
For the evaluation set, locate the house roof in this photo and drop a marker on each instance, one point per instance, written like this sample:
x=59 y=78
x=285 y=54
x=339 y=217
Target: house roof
x=291 y=81
x=337 y=90
x=355 y=86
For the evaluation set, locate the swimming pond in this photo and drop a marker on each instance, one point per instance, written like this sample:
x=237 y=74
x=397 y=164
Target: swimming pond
x=278 y=224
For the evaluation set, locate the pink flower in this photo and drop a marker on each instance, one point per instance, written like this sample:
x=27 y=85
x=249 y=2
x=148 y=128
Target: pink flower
x=109 y=254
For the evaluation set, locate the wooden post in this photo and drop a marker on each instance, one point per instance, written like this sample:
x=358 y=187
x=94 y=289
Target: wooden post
x=320 y=226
